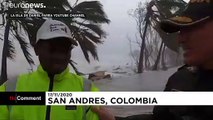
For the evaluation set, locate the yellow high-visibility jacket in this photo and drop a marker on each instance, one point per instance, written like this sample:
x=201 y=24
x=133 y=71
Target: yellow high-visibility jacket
x=39 y=81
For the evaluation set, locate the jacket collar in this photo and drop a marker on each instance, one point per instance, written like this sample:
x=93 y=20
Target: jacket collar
x=57 y=77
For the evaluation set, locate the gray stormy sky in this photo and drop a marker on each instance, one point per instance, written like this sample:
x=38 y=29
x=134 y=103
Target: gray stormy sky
x=114 y=51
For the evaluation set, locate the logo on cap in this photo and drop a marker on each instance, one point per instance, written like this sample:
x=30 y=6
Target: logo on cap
x=58 y=27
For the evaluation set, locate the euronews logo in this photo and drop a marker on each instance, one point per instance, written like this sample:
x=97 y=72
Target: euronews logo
x=23 y=5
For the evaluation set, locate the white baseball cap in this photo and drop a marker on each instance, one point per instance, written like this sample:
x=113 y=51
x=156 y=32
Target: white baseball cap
x=54 y=29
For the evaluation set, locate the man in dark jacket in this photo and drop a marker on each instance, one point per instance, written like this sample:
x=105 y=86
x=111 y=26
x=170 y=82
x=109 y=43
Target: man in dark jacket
x=195 y=27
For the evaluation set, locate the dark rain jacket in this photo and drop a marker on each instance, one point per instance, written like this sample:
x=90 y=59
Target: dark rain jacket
x=187 y=79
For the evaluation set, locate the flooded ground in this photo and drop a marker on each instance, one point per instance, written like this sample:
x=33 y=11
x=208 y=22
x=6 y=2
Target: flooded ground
x=147 y=81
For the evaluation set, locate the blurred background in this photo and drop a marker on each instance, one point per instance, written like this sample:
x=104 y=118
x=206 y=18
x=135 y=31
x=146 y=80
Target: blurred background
x=123 y=48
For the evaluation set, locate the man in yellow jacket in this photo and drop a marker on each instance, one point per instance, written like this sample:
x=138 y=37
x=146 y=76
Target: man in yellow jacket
x=53 y=47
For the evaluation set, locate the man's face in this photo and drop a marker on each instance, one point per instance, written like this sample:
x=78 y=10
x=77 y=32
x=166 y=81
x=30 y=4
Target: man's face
x=197 y=42
x=54 y=55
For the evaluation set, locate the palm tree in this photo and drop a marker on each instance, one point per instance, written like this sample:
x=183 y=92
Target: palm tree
x=12 y=27
x=87 y=31
x=156 y=10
